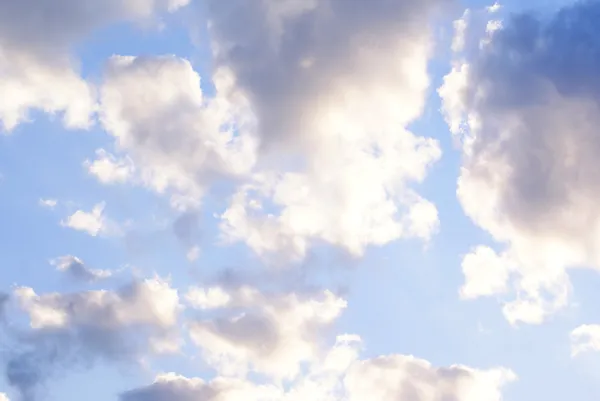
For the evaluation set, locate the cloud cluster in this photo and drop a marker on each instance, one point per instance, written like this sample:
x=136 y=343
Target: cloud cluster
x=333 y=86
x=36 y=68
x=271 y=334
x=76 y=329
x=342 y=376
x=525 y=103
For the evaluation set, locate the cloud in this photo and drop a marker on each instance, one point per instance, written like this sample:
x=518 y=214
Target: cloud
x=108 y=169
x=35 y=44
x=93 y=223
x=525 y=106
x=585 y=338
x=4 y=397
x=76 y=329
x=75 y=267
x=267 y=333
x=170 y=386
x=343 y=377
x=179 y=140
x=333 y=85
x=48 y=203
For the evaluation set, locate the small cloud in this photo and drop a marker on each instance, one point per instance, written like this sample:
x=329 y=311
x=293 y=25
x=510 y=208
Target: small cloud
x=193 y=253
x=108 y=169
x=93 y=223
x=48 y=203
x=75 y=267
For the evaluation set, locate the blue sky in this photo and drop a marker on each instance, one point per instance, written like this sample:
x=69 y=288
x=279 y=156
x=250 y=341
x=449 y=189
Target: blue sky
x=200 y=199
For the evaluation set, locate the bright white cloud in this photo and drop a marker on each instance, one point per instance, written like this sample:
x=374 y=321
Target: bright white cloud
x=486 y=273
x=36 y=71
x=270 y=334
x=525 y=106
x=585 y=338
x=4 y=397
x=400 y=378
x=93 y=223
x=108 y=169
x=179 y=140
x=75 y=267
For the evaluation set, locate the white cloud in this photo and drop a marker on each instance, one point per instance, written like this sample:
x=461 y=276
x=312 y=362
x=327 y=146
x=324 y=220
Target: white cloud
x=585 y=338
x=270 y=334
x=93 y=223
x=48 y=203
x=486 y=273
x=37 y=71
x=527 y=119
x=400 y=378
x=108 y=169
x=208 y=298
x=341 y=376
x=335 y=97
x=329 y=99
x=179 y=140
x=75 y=267
x=4 y=397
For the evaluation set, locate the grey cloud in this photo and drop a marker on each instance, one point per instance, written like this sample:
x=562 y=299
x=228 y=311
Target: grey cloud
x=78 y=329
x=530 y=102
x=288 y=56
x=78 y=270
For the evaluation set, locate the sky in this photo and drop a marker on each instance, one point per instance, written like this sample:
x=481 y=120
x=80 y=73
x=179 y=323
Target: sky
x=291 y=200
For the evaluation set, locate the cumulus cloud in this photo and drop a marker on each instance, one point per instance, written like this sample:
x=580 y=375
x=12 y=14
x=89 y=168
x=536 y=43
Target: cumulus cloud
x=267 y=333
x=335 y=84
x=343 y=377
x=75 y=267
x=585 y=338
x=525 y=106
x=76 y=329
x=93 y=223
x=332 y=85
x=36 y=70
x=179 y=139
x=108 y=169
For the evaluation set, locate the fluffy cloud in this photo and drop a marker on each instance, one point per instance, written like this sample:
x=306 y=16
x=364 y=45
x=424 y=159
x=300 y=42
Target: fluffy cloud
x=3 y=397
x=334 y=84
x=179 y=140
x=36 y=71
x=78 y=328
x=343 y=377
x=75 y=267
x=270 y=334
x=93 y=223
x=585 y=338
x=108 y=169
x=525 y=104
